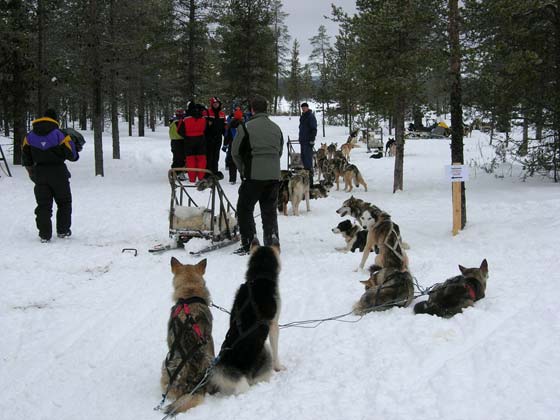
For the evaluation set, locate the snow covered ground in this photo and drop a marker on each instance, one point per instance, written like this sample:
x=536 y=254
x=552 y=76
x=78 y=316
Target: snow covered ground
x=83 y=324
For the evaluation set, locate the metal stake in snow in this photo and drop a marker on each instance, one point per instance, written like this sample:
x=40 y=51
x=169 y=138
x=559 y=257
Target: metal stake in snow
x=457 y=174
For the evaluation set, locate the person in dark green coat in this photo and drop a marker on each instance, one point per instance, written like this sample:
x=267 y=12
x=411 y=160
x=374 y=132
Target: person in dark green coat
x=256 y=151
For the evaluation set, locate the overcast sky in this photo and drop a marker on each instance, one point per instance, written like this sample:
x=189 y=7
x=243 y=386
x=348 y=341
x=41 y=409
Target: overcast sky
x=305 y=17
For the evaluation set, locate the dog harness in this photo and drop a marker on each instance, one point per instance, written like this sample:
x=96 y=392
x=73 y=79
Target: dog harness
x=470 y=291
x=178 y=327
x=183 y=306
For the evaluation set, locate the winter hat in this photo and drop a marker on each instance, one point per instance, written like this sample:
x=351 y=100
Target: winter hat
x=51 y=113
x=180 y=113
x=238 y=114
x=215 y=99
x=305 y=104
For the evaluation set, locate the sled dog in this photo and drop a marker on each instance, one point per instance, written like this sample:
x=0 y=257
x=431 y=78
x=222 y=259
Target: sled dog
x=385 y=288
x=353 y=137
x=245 y=359
x=384 y=234
x=320 y=190
x=284 y=192
x=298 y=187
x=391 y=147
x=189 y=337
x=355 y=207
x=351 y=174
x=457 y=293
x=346 y=148
x=331 y=149
x=354 y=236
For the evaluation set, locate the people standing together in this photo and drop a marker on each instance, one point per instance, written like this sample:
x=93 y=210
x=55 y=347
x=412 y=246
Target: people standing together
x=252 y=143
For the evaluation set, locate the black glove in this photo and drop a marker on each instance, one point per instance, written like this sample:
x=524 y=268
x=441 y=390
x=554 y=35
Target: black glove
x=224 y=148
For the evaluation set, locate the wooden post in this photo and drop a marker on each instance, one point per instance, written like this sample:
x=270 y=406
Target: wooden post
x=456 y=192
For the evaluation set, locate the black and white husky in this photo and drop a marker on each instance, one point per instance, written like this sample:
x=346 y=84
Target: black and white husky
x=245 y=358
x=354 y=236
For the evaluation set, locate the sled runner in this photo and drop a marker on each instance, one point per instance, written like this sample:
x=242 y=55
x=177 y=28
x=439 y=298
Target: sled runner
x=216 y=222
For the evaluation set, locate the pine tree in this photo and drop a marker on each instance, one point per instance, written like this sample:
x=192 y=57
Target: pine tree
x=294 y=83
x=281 y=50
x=396 y=53
x=245 y=49
x=321 y=58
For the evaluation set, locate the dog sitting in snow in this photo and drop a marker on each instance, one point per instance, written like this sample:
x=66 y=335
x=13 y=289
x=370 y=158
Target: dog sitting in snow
x=384 y=235
x=354 y=236
x=245 y=359
x=457 y=293
x=189 y=337
x=385 y=288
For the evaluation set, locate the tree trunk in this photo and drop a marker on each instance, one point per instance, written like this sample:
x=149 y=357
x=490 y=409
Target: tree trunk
x=129 y=112
x=83 y=114
x=323 y=117
x=524 y=147
x=190 y=51
x=399 y=139
x=417 y=117
x=19 y=105
x=115 y=122
x=97 y=125
x=41 y=62
x=152 y=116
x=113 y=86
x=141 y=109
x=96 y=83
x=455 y=98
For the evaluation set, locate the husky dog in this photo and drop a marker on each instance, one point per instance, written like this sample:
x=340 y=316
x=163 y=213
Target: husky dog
x=322 y=152
x=245 y=359
x=354 y=207
x=336 y=169
x=354 y=236
x=391 y=147
x=320 y=190
x=451 y=297
x=384 y=234
x=385 y=288
x=331 y=149
x=353 y=137
x=284 y=192
x=346 y=148
x=322 y=166
x=189 y=337
x=352 y=173
x=298 y=187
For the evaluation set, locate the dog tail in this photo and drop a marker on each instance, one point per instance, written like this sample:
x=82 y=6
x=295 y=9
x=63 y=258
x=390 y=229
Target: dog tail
x=184 y=403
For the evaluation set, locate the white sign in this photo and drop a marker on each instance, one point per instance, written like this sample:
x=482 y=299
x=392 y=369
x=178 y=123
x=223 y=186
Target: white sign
x=457 y=173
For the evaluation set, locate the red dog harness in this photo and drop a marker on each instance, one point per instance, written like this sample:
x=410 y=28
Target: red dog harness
x=183 y=305
x=470 y=291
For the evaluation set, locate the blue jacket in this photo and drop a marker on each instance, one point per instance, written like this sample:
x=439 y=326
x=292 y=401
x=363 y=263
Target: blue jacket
x=307 y=127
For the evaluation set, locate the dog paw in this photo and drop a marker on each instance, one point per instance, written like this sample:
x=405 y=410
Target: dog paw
x=279 y=367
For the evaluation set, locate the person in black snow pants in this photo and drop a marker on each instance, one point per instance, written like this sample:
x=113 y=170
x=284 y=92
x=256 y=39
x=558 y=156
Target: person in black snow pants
x=215 y=128
x=44 y=151
x=307 y=134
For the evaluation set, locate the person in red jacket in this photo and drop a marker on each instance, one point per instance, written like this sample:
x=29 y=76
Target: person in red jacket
x=192 y=128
